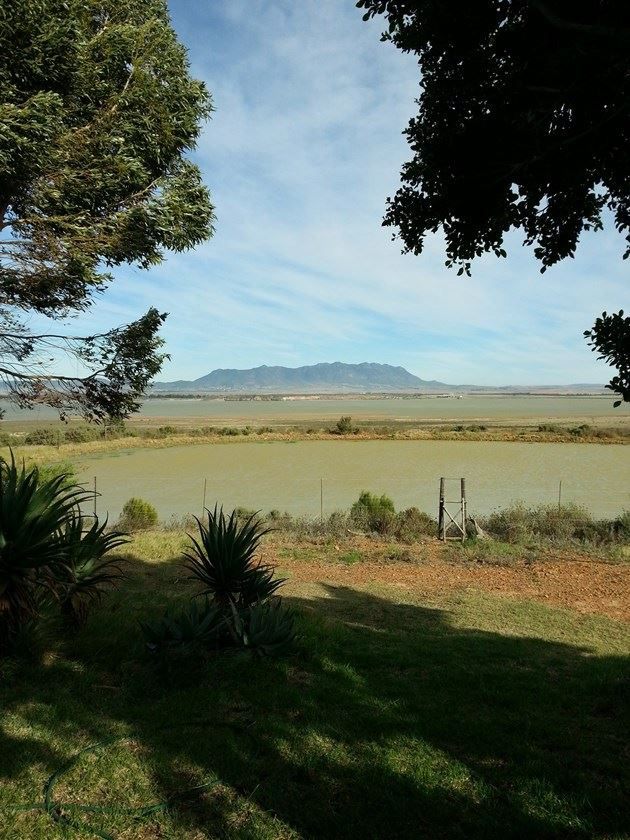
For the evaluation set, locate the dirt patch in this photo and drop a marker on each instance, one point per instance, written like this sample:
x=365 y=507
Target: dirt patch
x=567 y=580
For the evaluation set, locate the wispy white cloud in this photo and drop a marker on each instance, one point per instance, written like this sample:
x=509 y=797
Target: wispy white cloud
x=301 y=153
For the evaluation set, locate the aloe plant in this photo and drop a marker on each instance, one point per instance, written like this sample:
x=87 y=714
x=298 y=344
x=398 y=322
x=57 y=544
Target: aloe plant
x=86 y=570
x=193 y=627
x=223 y=559
x=33 y=513
x=266 y=628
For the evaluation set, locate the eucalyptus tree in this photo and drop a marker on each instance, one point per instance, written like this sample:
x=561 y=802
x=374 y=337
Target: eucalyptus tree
x=523 y=123
x=98 y=111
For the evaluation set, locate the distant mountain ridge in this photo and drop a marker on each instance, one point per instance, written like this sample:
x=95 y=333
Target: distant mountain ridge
x=335 y=376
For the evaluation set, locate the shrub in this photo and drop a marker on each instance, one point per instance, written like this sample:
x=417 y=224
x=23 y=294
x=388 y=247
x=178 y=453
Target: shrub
x=229 y=431
x=244 y=513
x=374 y=513
x=138 y=515
x=46 y=436
x=413 y=523
x=344 y=426
x=519 y=523
x=584 y=430
x=264 y=430
x=114 y=428
x=186 y=522
x=81 y=434
x=280 y=521
x=65 y=469
x=622 y=526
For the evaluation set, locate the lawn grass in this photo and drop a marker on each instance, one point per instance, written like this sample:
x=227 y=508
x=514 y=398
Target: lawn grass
x=469 y=716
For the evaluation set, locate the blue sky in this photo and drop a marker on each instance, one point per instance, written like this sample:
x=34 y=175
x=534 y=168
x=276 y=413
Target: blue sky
x=302 y=151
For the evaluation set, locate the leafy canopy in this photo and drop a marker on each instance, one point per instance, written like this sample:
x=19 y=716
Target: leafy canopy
x=523 y=123
x=97 y=113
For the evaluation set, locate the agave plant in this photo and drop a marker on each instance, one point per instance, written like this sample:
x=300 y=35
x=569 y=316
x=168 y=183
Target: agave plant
x=86 y=569
x=266 y=628
x=191 y=628
x=33 y=512
x=223 y=559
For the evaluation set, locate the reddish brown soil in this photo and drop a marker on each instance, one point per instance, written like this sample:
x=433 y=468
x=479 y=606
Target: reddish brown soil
x=563 y=579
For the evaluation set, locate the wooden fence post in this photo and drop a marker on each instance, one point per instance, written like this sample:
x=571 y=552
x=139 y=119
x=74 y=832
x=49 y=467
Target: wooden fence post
x=441 y=523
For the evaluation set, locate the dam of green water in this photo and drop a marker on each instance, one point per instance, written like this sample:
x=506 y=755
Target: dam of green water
x=291 y=476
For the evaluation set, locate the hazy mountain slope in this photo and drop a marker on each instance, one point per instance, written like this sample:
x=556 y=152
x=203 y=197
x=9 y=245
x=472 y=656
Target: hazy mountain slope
x=367 y=376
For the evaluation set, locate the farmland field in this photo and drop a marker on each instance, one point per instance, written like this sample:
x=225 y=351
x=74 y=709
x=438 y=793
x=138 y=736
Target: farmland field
x=517 y=409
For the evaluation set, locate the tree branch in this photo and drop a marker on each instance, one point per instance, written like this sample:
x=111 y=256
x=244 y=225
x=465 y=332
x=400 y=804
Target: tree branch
x=50 y=377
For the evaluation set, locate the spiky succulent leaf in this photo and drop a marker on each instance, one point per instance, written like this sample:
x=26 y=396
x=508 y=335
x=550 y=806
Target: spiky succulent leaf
x=33 y=513
x=193 y=626
x=223 y=559
x=87 y=569
x=268 y=628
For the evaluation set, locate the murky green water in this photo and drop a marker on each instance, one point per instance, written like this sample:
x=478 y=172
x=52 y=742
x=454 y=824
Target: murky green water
x=468 y=408
x=287 y=476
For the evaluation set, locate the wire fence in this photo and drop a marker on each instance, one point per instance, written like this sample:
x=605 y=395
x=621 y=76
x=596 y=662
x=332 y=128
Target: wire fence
x=318 y=497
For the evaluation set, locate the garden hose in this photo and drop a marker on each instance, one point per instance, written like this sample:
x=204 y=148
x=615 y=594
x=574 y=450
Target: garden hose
x=61 y=812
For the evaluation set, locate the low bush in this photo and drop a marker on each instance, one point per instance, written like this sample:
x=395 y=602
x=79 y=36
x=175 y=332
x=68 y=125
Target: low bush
x=187 y=522
x=584 y=430
x=46 y=472
x=137 y=515
x=46 y=436
x=344 y=426
x=374 y=513
x=622 y=526
x=81 y=434
x=412 y=523
x=550 y=523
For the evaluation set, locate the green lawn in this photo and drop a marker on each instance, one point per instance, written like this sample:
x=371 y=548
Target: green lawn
x=477 y=717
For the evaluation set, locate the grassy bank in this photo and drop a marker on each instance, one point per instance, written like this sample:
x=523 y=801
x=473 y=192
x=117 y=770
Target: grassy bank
x=420 y=702
x=54 y=443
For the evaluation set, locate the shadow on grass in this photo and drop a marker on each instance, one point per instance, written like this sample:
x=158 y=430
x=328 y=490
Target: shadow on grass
x=387 y=723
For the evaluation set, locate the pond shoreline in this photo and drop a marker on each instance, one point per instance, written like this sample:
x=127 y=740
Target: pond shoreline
x=152 y=439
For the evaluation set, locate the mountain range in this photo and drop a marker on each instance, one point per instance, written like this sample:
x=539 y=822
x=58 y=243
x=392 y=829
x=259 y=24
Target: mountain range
x=337 y=376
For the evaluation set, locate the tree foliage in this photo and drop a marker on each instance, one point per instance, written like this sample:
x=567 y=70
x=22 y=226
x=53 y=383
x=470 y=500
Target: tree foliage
x=524 y=122
x=97 y=113
x=610 y=337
